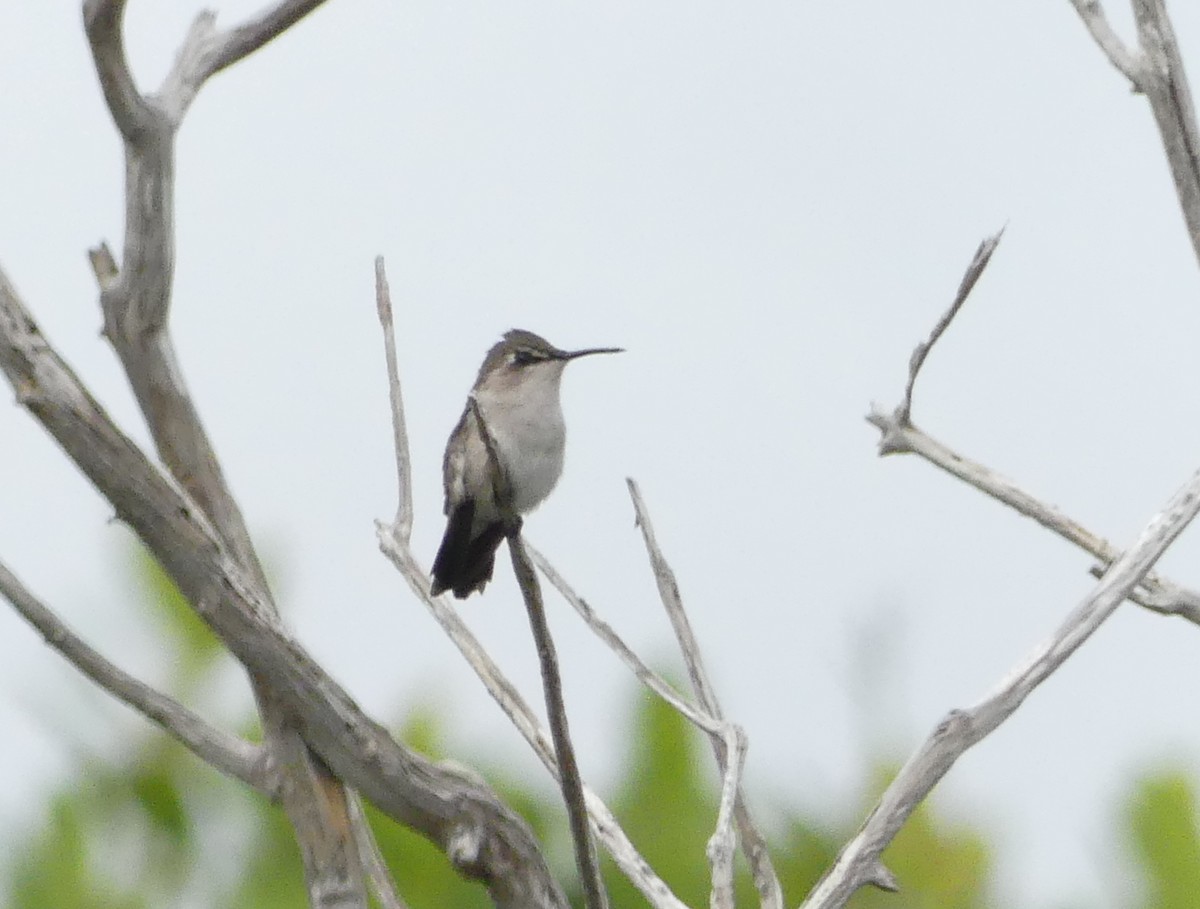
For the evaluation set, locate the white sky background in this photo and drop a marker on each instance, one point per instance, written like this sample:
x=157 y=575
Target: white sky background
x=768 y=204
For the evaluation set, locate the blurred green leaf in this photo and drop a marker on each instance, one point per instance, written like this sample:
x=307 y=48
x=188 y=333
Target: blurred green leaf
x=424 y=731
x=196 y=647
x=1162 y=825
x=55 y=871
x=162 y=803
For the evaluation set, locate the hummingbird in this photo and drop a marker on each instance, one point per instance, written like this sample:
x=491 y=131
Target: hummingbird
x=517 y=392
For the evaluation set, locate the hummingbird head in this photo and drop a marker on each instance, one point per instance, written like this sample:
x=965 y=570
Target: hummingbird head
x=521 y=357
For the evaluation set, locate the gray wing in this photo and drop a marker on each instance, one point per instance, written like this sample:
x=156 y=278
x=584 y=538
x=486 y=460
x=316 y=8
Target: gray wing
x=454 y=463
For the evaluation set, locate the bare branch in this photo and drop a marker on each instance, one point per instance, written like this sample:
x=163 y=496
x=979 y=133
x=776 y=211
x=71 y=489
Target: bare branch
x=761 y=866
x=897 y=438
x=383 y=305
x=668 y=589
x=594 y=894
x=605 y=632
x=1129 y=63
x=1161 y=596
x=207 y=52
x=858 y=861
x=227 y=753
x=979 y=262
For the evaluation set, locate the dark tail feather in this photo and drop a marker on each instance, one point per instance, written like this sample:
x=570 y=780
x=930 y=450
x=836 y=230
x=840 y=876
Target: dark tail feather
x=448 y=563
x=464 y=565
x=480 y=559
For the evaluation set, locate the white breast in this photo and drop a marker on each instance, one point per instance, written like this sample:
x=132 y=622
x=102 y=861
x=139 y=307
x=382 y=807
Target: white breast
x=529 y=433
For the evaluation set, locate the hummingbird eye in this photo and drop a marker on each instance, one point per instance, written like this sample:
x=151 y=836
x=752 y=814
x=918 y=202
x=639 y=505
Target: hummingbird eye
x=523 y=356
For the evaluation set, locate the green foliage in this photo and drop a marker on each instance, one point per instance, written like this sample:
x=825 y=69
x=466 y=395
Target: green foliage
x=1162 y=828
x=55 y=870
x=197 y=649
x=116 y=840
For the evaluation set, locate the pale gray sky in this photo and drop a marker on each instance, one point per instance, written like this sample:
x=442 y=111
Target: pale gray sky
x=768 y=204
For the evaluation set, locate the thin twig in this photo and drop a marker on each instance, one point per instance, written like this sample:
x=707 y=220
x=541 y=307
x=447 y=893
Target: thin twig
x=586 y=859
x=227 y=753
x=1159 y=594
x=569 y=780
x=979 y=261
x=961 y=729
x=383 y=305
x=647 y=676
x=755 y=846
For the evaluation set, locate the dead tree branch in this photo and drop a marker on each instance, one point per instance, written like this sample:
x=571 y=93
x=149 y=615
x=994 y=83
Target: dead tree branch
x=979 y=262
x=1154 y=592
x=586 y=859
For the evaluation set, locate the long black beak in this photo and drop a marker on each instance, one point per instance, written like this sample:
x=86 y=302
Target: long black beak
x=587 y=352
